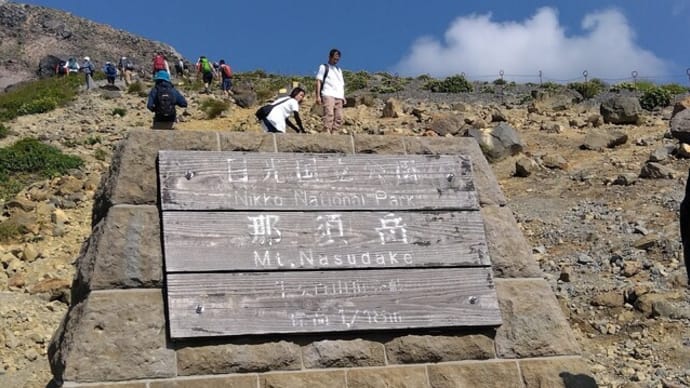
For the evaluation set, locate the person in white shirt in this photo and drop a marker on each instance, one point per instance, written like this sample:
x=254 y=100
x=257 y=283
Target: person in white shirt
x=283 y=107
x=330 y=91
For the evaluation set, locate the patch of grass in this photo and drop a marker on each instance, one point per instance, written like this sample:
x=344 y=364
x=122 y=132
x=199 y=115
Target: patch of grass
x=28 y=160
x=135 y=87
x=4 y=131
x=213 y=108
x=93 y=140
x=100 y=154
x=38 y=96
x=10 y=230
x=119 y=112
x=355 y=81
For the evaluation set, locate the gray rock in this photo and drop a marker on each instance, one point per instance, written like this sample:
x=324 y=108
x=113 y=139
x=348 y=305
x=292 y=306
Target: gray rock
x=413 y=349
x=597 y=140
x=449 y=124
x=625 y=179
x=113 y=336
x=621 y=110
x=680 y=126
x=392 y=109
x=343 y=354
x=525 y=166
x=231 y=358
x=499 y=142
x=554 y=161
x=652 y=170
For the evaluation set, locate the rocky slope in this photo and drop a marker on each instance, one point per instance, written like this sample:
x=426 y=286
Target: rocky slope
x=29 y=34
x=606 y=239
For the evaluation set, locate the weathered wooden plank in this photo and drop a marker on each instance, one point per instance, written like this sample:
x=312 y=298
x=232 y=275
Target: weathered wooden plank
x=203 y=180
x=218 y=241
x=319 y=301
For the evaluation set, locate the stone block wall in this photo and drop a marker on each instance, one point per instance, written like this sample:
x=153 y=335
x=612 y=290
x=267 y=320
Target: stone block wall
x=114 y=333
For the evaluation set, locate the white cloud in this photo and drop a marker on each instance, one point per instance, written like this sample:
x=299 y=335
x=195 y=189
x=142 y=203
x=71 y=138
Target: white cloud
x=480 y=48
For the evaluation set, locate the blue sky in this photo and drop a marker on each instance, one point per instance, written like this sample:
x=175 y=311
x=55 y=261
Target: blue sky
x=608 y=38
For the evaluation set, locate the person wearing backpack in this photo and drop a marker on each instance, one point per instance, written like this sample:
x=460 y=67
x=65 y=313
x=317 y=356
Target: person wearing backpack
x=160 y=63
x=88 y=68
x=126 y=67
x=330 y=92
x=162 y=100
x=72 y=65
x=110 y=73
x=204 y=67
x=281 y=109
x=226 y=76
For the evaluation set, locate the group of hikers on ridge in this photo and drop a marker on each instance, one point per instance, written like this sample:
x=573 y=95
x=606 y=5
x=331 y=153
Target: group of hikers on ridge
x=163 y=98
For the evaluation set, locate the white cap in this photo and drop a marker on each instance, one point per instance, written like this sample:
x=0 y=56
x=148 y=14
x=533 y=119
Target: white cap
x=87 y=58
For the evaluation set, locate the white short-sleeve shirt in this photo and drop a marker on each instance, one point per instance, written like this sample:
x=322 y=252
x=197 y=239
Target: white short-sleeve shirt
x=334 y=84
x=281 y=111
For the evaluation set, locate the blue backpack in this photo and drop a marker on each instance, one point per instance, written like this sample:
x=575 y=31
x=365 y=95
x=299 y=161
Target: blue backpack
x=110 y=70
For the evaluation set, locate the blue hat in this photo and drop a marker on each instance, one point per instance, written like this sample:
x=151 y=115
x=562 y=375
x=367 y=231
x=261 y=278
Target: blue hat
x=162 y=74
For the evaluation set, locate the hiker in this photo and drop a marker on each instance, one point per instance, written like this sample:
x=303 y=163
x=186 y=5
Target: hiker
x=160 y=63
x=162 y=100
x=226 y=75
x=72 y=65
x=88 y=68
x=126 y=67
x=685 y=227
x=61 y=68
x=179 y=68
x=281 y=109
x=110 y=73
x=204 y=67
x=330 y=92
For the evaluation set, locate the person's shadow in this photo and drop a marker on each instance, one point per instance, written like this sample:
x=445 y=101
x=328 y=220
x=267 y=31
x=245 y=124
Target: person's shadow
x=578 y=381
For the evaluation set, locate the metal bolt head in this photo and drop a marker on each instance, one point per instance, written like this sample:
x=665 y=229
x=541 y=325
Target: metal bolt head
x=450 y=177
x=189 y=175
x=473 y=299
x=199 y=309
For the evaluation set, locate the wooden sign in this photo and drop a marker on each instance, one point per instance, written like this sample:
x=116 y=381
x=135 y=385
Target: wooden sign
x=260 y=243
x=204 y=180
x=309 y=301
x=248 y=241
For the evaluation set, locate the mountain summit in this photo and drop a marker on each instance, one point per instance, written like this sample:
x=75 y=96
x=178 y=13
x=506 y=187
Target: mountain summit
x=30 y=35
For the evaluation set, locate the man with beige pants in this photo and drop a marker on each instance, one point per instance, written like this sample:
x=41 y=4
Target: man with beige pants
x=330 y=92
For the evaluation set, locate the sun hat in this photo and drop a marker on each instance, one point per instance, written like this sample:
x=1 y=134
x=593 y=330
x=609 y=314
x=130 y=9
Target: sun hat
x=162 y=74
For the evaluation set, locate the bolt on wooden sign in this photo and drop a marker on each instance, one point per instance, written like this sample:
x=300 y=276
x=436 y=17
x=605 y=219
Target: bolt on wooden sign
x=258 y=243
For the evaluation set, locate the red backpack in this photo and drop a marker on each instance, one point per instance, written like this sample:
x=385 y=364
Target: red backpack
x=226 y=70
x=159 y=62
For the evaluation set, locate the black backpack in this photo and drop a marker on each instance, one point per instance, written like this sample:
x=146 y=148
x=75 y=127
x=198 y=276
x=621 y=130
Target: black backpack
x=165 y=101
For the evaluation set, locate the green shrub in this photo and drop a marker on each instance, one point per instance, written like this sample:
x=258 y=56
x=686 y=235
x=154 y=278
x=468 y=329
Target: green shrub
x=657 y=97
x=499 y=81
x=119 y=112
x=452 y=84
x=644 y=85
x=424 y=77
x=4 y=131
x=588 y=89
x=355 y=81
x=674 y=89
x=623 y=86
x=93 y=140
x=100 y=154
x=135 y=87
x=38 y=96
x=390 y=85
x=10 y=230
x=551 y=86
x=213 y=108
x=28 y=160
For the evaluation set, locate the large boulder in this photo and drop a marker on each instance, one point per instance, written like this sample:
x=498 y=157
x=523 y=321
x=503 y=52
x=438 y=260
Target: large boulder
x=553 y=101
x=46 y=67
x=499 y=142
x=621 y=110
x=680 y=126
